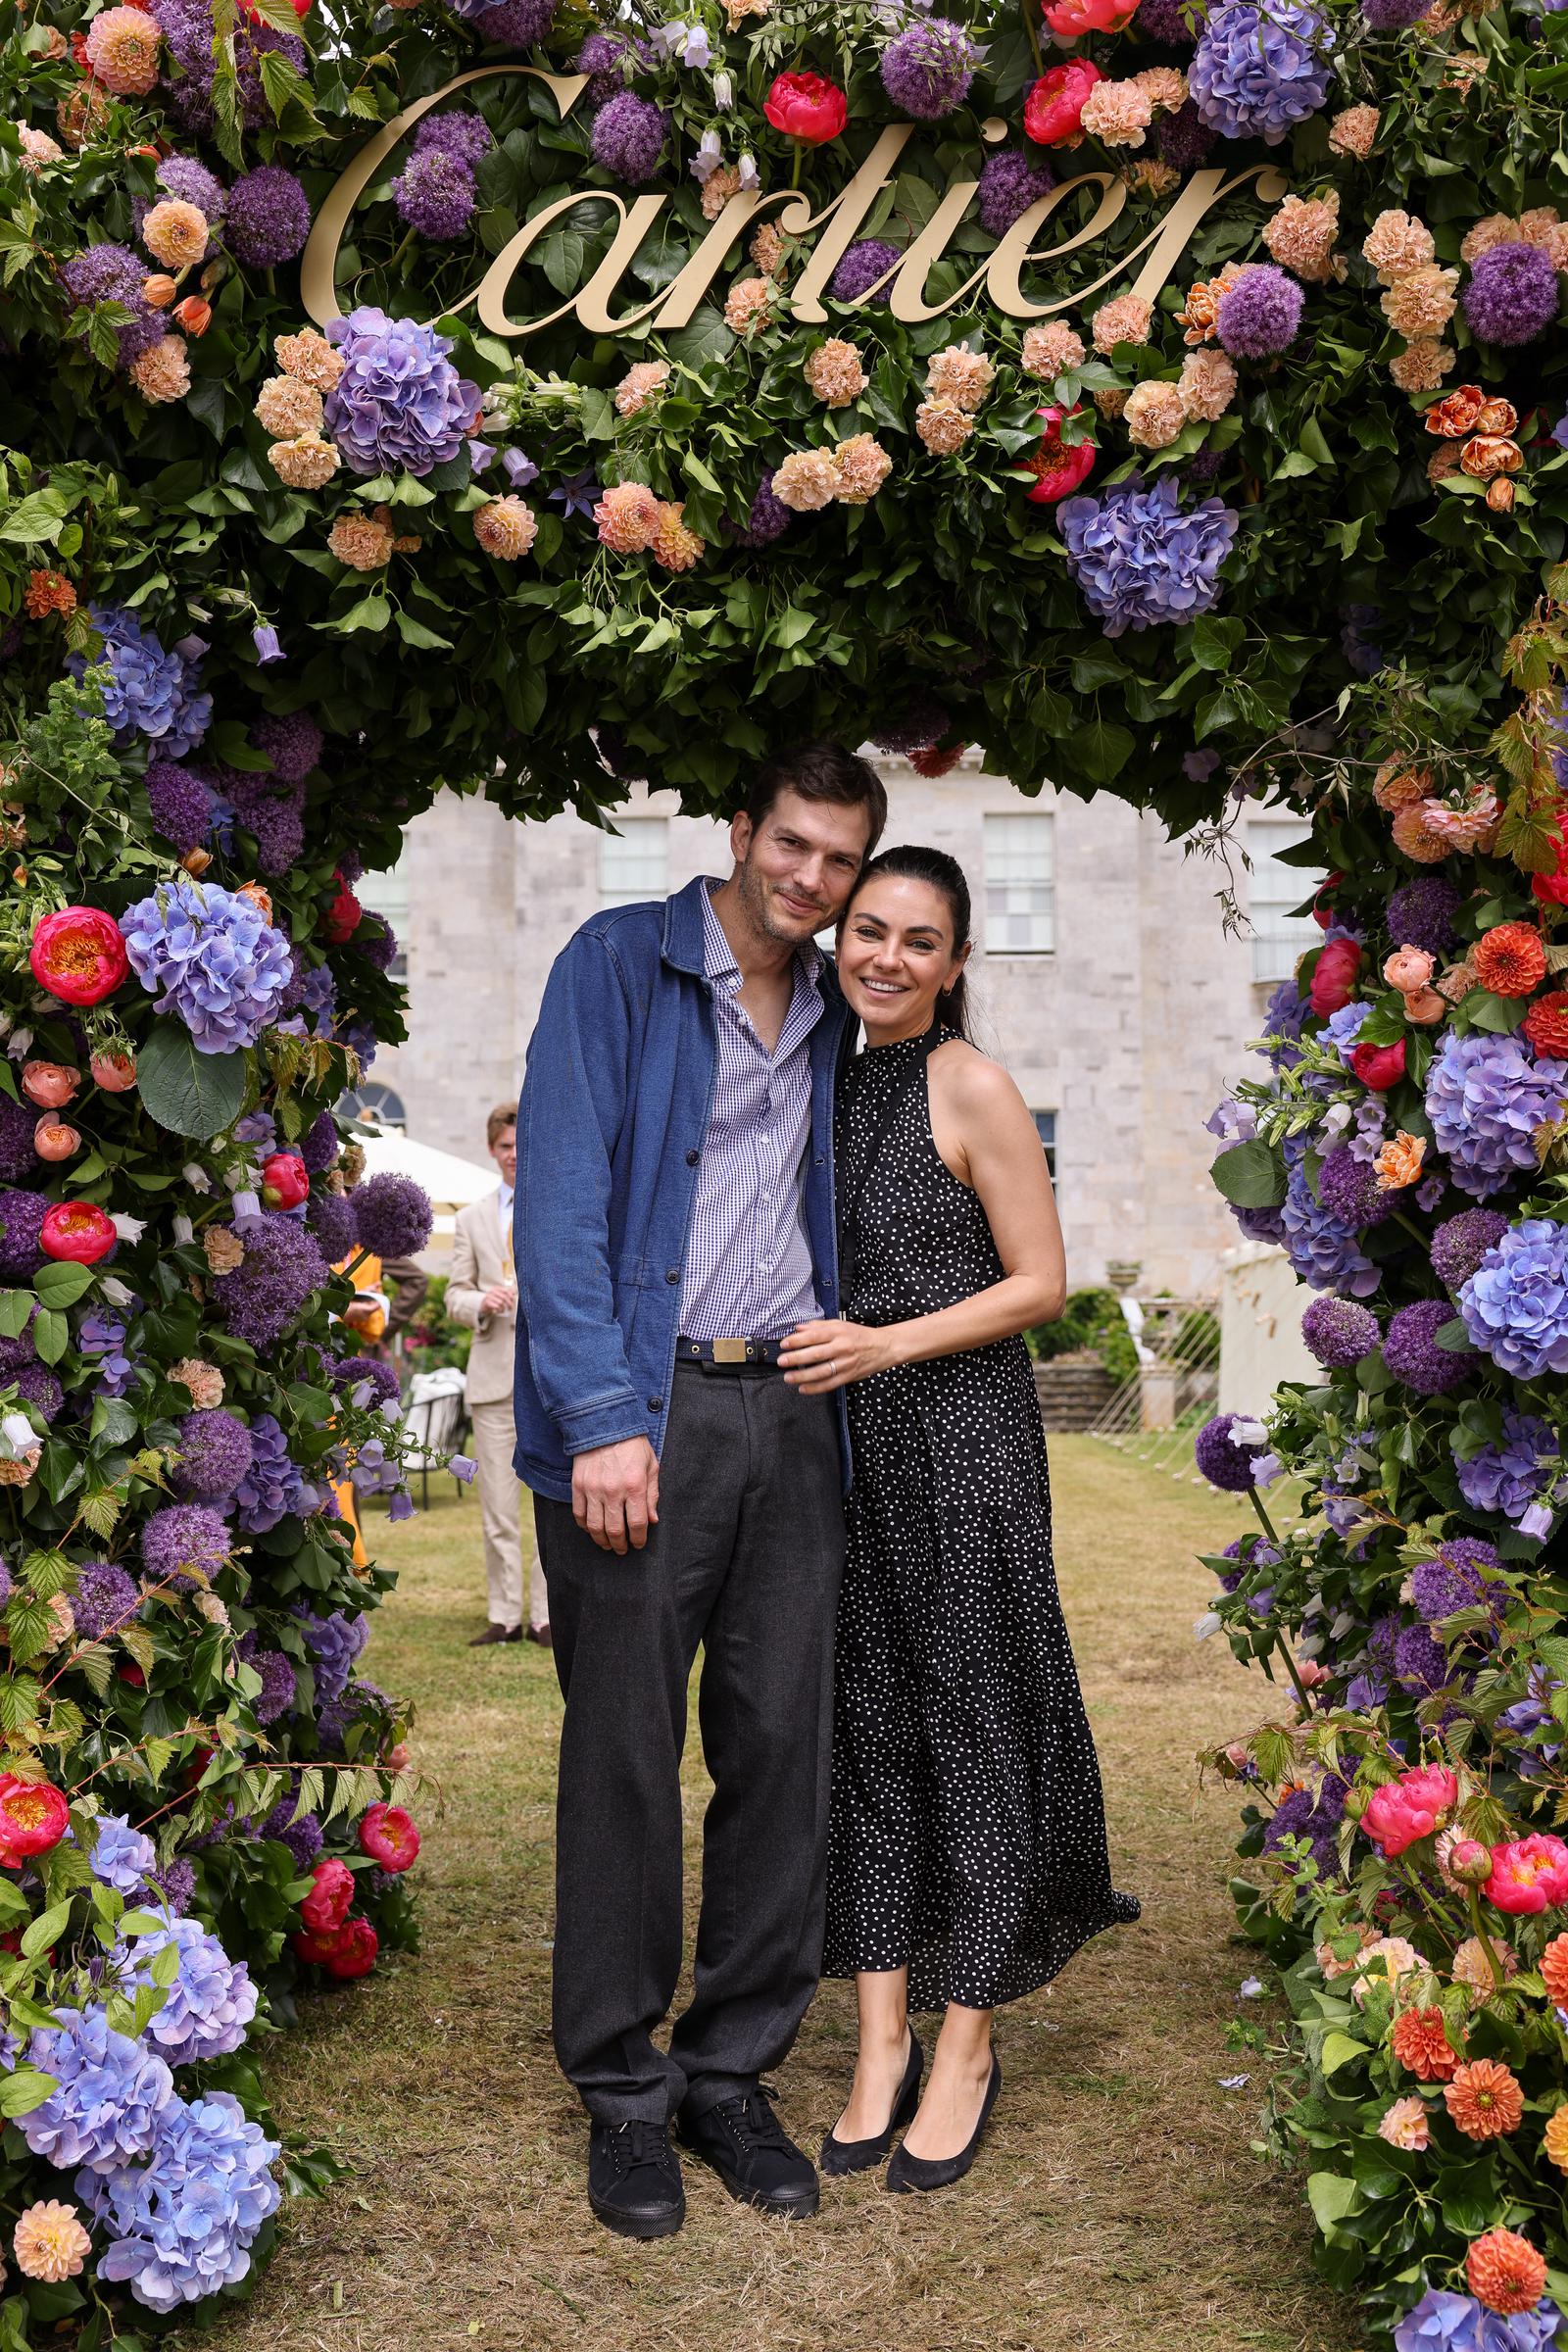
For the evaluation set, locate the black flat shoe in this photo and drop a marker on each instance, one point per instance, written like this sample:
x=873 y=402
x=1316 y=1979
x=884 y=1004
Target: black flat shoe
x=907 y=2172
x=840 y=2156
x=747 y=2148
x=634 y=2184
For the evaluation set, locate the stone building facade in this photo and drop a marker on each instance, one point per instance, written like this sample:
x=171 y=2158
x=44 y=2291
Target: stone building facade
x=1103 y=977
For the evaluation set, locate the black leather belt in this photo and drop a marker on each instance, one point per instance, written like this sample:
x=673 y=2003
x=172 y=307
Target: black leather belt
x=730 y=1355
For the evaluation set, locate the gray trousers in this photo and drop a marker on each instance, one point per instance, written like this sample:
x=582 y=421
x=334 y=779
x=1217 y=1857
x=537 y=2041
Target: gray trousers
x=745 y=1562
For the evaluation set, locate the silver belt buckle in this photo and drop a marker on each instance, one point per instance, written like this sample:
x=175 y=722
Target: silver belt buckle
x=729 y=1352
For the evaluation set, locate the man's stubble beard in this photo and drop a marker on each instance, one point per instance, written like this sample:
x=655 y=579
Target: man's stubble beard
x=755 y=903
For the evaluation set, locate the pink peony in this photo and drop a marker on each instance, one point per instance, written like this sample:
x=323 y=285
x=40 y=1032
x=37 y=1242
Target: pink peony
x=1528 y=1875
x=1420 y=1801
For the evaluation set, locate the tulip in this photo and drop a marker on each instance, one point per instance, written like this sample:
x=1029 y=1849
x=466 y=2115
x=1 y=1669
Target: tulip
x=115 y=1073
x=52 y=1139
x=49 y=1083
x=160 y=289
x=194 y=315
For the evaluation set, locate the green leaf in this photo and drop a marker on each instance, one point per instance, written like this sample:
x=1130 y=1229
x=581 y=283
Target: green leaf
x=371 y=612
x=414 y=632
x=186 y=1092
x=1331 y=2196
x=14 y=1308
x=36 y=521
x=1455 y=1337
x=1102 y=750
x=1249 y=1175
x=1338 y=2050
x=45 y=1929
x=62 y=1285
x=25 y=2088
x=51 y=1335
x=113 y=1422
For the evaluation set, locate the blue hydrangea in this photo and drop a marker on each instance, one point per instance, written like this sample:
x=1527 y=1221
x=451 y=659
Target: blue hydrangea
x=334 y=1643
x=1515 y=1304
x=109 y=2096
x=147 y=691
x=1446 y=2323
x=182 y=2225
x=1508 y=1478
x=273 y=1487
x=1256 y=71
x=1324 y=1251
x=1485 y=1096
x=214 y=958
x=104 y=1338
x=122 y=1857
x=399 y=403
x=210 y=2003
x=1138 y=559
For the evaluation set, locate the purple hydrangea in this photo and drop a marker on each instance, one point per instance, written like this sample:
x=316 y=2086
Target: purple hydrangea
x=628 y=137
x=1221 y=1459
x=1456 y=1579
x=269 y=218
x=1448 y=2322
x=1259 y=314
x=335 y=1225
x=104 y=1338
x=122 y=1857
x=394 y=1215
x=180 y=2227
x=1260 y=1224
x=435 y=193
x=292 y=742
x=862 y=264
x=146 y=691
x=273 y=1487
x=182 y=1537
x=109 y=2092
x=1515 y=1304
x=1420 y=1662
x=215 y=1453
x=22 y=1216
x=1137 y=559
x=1348 y=1188
x=17 y=1158
x=1339 y=1331
x=1485 y=1096
x=1508 y=1477
x=210 y=956
x=113 y=273
x=1411 y=1352
x=283 y=1267
x=279 y=1689
x=211 y=2001
x=604 y=57
x=400 y=404
x=1009 y=184
x=462 y=133
x=1258 y=72
x=516 y=24
x=1324 y=1251
x=1183 y=137
x=928 y=66
x=180 y=803
x=105 y=1597
x=334 y=1643
x=354 y=1372
x=1460 y=1242
x=1421 y=915
x=1512 y=295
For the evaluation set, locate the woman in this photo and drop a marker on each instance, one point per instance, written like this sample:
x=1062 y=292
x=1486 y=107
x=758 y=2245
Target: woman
x=967 y=1850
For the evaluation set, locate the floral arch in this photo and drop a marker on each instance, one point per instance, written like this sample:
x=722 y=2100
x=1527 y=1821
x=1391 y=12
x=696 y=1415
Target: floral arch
x=527 y=398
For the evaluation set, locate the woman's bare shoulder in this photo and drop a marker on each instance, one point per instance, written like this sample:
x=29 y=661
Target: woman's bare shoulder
x=970 y=1079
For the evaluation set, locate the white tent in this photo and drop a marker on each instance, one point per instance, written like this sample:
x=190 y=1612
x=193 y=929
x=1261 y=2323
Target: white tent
x=452 y=1183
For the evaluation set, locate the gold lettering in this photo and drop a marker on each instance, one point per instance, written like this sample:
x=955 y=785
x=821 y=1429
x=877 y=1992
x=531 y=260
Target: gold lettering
x=1200 y=196
x=907 y=299
x=492 y=293
x=1011 y=253
x=593 y=303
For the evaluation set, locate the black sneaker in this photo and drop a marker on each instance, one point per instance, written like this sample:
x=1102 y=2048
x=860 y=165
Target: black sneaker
x=747 y=2148
x=634 y=2180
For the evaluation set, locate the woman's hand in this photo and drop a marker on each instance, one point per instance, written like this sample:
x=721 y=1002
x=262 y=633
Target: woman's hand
x=829 y=1355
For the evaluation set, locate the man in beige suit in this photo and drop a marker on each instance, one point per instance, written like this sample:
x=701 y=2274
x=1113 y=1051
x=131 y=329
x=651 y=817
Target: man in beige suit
x=482 y=1292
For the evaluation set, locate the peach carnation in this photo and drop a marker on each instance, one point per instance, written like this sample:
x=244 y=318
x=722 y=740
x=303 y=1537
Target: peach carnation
x=310 y=357
x=122 y=51
x=1554 y=2139
x=628 y=516
x=506 y=528
x=361 y=541
x=1423 y=302
x=959 y=374
x=639 y=385
x=1509 y=959
x=1126 y=319
x=1155 y=413
x=767 y=248
x=37 y=148
x=748 y=307
x=1199 y=314
x=1353 y=132
x=1051 y=351
x=204 y=1380
x=1495 y=229
x=672 y=544
x=1331 y=1965
x=942 y=425
x=223 y=1248
x=1118 y=114
x=1422 y=365
x=83 y=115
x=864 y=466
x=162 y=372
x=1505 y=2272
x=1415 y=837
x=1163 y=86
x=1301 y=236
x=718 y=190
x=49 y=2240
x=1420 y=2042
x=1146 y=176
x=1473 y=1970
x=806 y=480
x=175 y=233
x=1396 y=244
x=1485 y=2099
x=287 y=408
x=1111 y=402
x=1206 y=385
x=834 y=372
x=305 y=463
x=1405 y=2124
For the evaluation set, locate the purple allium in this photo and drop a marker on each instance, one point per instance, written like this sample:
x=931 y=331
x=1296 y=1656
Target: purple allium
x=1259 y=313
x=107 y=2092
x=1339 y=1331
x=1411 y=1352
x=435 y=194
x=105 y=1598
x=273 y=812
x=917 y=721
x=180 y=803
x=269 y=218
x=22 y=1216
x=604 y=57
x=1515 y=1304
x=862 y=264
x=146 y=691
x=211 y=2001
x=1184 y=138
x=13 y=1354
x=399 y=403
x=1508 y=1477
x=1460 y=1242
x=292 y=742
x=175 y=1882
x=283 y=1268
x=37 y=1386
x=1348 y=1188
x=278 y=1689
x=361 y=1701
x=335 y=1226
x=303 y=1838
x=181 y=2226
x=1455 y=1580
x=1421 y=915
x=462 y=133
x=1420 y=1662
x=1312 y=1814
x=928 y=66
x=1221 y=1460
x=1359 y=639
x=377 y=942
x=211 y=957
x=516 y=24
x=1176 y=23
x=17 y=1158
x=334 y=1643
x=1258 y=71
x=187 y=28
x=1392 y=16
x=113 y=273
x=628 y=137
x=395 y=1216
x=768 y=520
x=182 y=176
x=1512 y=295
x=120 y=1856
x=1009 y=184
x=273 y=1488
x=215 y=1453
x=1485 y=1096
x=320 y=1146
x=182 y=1537
x=354 y=1371
x=1137 y=559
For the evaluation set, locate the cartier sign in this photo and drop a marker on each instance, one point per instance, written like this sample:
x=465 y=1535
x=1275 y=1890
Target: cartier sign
x=999 y=277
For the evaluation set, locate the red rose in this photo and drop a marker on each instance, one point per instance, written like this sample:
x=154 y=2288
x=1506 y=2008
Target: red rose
x=389 y=1836
x=1057 y=469
x=34 y=1817
x=1334 y=976
x=76 y=1234
x=285 y=1180
x=343 y=917
x=807 y=108
x=356 y=1951
x=1379 y=1067
x=78 y=954
x=328 y=1903
x=1546 y=1024
x=1053 y=109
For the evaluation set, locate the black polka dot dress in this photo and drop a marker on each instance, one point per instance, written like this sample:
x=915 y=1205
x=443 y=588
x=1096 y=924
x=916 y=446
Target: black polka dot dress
x=968 y=1838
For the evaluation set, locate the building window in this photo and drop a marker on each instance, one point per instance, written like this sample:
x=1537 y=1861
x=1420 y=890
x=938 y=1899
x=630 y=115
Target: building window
x=1020 y=885
x=634 y=861
x=1279 y=936
x=1045 y=1128
x=377 y=1105
x=387 y=895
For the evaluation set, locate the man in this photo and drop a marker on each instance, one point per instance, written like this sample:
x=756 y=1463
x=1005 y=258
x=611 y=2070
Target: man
x=675 y=1220
x=482 y=1292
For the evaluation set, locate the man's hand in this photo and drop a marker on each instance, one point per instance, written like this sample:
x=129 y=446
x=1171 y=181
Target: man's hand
x=828 y=1355
x=500 y=1299
x=614 y=1494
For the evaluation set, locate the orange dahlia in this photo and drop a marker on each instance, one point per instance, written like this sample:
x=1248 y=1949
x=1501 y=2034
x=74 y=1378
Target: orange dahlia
x=1420 y=2042
x=1485 y=2099
x=1397 y=786
x=1546 y=1024
x=1509 y=959
x=1554 y=1970
x=48 y=592
x=1417 y=838
x=1555 y=2138
x=1505 y=2272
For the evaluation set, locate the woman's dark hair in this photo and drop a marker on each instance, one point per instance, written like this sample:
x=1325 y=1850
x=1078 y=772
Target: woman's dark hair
x=934 y=867
x=821 y=771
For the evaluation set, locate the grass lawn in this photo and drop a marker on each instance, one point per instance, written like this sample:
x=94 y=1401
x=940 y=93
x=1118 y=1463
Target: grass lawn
x=1116 y=2203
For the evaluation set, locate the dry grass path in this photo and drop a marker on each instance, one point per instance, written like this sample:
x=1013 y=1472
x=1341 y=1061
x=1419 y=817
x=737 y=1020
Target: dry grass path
x=1117 y=2204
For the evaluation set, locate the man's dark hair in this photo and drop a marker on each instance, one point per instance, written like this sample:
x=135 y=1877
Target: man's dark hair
x=821 y=771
